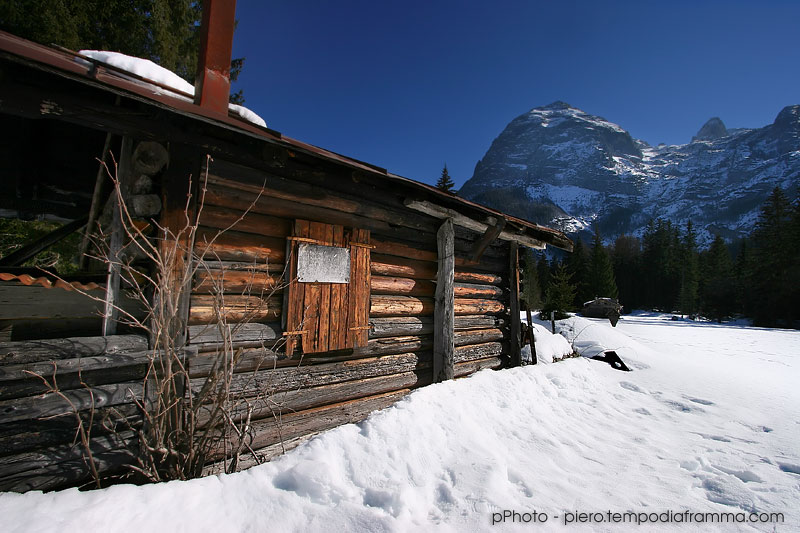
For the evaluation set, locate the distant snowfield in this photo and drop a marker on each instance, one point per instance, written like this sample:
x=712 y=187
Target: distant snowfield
x=706 y=422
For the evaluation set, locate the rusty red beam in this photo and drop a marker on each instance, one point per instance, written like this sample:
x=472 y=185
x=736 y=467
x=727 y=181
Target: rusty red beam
x=212 y=84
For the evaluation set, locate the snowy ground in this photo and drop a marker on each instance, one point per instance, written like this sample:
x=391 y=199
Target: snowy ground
x=707 y=422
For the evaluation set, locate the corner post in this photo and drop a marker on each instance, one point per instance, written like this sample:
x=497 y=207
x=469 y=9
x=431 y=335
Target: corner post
x=515 y=342
x=444 y=310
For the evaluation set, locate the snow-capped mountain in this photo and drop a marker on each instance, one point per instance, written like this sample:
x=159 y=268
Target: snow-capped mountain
x=560 y=166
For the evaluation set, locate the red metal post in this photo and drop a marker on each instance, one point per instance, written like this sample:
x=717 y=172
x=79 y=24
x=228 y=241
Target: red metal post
x=212 y=84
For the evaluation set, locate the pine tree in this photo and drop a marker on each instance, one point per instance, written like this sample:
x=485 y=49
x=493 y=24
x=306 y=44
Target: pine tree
x=719 y=284
x=532 y=292
x=578 y=267
x=687 y=297
x=543 y=273
x=560 y=293
x=771 y=267
x=627 y=258
x=601 y=272
x=445 y=183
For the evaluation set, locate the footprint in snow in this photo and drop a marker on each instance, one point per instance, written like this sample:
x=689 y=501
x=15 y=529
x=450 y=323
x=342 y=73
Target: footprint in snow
x=630 y=386
x=718 y=438
x=699 y=400
x=682 y=407
x=790 y=468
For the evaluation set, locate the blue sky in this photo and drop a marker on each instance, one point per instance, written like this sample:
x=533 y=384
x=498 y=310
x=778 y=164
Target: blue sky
x=410 y=86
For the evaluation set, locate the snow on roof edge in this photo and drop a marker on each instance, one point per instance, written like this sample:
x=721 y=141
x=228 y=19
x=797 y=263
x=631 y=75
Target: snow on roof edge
x=144 y=68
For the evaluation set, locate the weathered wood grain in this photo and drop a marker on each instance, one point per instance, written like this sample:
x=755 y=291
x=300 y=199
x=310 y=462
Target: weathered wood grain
x=400 y=326
x=289 y=426
x=293 y=378
x=21 y=379
x=444 y=315
x=52 y=404
x=23 y=352
x=237 y=246
x=298 y=400
x=235 y=309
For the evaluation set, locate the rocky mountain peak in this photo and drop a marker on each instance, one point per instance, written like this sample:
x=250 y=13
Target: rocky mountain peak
x=558 y=105
x=560 y=166
x=711 y=131
x=789 y=116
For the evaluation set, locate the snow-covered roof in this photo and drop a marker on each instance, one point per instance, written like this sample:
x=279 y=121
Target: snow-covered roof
x=146 y=71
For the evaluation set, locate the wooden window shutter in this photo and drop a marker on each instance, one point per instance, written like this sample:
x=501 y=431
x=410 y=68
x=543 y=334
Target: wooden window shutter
x=321 y=317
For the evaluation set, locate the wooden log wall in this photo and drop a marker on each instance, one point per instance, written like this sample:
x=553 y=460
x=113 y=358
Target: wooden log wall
x=245 y=220
x=98 y=377
x=289 y=398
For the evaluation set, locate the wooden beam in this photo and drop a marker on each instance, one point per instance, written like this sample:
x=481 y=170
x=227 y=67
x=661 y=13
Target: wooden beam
x=515 y=343
x=491 y=233
x=444 y=306
x=94 y=209
x=124 y=176
x=465 y=222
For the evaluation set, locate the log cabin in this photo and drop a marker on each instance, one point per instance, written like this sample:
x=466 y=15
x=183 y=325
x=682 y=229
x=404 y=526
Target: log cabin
x=340 y=286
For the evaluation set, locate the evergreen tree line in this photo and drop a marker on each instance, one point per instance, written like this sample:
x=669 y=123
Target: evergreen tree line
x=665 y=270
x=164 y=31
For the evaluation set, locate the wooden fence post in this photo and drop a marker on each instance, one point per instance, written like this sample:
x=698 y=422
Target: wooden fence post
x=515 y=342
x=444 y=307
x=124 y=177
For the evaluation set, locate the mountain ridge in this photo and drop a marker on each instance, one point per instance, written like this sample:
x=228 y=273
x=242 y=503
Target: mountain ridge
x=560 y=166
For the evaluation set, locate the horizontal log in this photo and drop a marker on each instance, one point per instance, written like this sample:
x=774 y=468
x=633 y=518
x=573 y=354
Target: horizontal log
x=410 y=251
x=210 y=336
x=22 y=352
x=273 y=430
x=61 y=466
x=234 y=309
x=212 y=245
x=299 y=400
x=52 y=404
x=479 y=226
x=412 y=287
x=472 y=290
x=478 y=351
x=383 y=306
x=269 y=382
x=237 y=281
x=477 y=336
x=396 y=345
x=474 y=306
x=247 y=266
x=401 y=286
x=24 y=435
x=399 y=326
x=470 y=367
x=262 y=456
x=400 y=306
x=34 y=302
x=249 y=181
x=413 y=343
x=427 y=251
x=251 y=222
x=274 y=206
x=386 y=265
x=462 y=276
x=250 y=360
x=21 y=380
